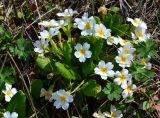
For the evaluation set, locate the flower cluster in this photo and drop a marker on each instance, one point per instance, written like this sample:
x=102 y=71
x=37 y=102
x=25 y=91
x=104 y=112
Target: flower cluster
x=53 y=28
x=116 y=70
x=139 y=34
x=61 y=97
x=114 y=113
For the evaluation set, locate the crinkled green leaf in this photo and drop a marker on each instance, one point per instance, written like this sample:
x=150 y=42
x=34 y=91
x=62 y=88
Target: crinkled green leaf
x=148 y=48
x=115 y=9
x=44 y=63
x=23 y=48
x=146 y=105
x=67 y=51
x=114 y=22
x=36 y=88
x=66 y=71
x=140 y=73
x=97 y=19
x=18 y=104
x=88 y=68
x=7 y=75
x=91 y=88
x=113 y=91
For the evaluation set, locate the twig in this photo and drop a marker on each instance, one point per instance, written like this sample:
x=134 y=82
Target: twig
x=41 y=17
x=21 y=76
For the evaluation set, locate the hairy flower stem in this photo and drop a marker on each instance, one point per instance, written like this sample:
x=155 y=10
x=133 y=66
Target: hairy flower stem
x=77 y=88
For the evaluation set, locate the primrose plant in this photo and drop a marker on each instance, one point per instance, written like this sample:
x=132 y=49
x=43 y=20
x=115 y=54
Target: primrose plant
x=93 y=56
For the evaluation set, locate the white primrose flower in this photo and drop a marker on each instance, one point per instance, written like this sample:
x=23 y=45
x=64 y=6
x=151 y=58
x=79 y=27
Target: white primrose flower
x=146 y=63
x=49 y=34
x=101 y=31
x=62 y=23
x=7 y=114
x=112 y=40
x=104 y=69
x=114 y=113
x=122 y=42
x=40 y=45
x=140 y=34
x=46 y=94
x=62 y=99
x=128 y=89
x=82 y=52
x=127 y=49
x=67 y=13
x=51 y=23
x=9 y=92
x=85 y=24
x=124 y=60
x=137 y=22
x=122 y=77
x=98 y=115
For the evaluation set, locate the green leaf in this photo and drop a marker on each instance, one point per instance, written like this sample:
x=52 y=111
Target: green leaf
x=36 y=88
x=115 y=9
x=7 y=75
x=129 y=99
x=120 y=30
x=44 y=63
x=140 y=73
x=146 y=105
x=148 y=48
x=91 y=88
x=108 y=21
x=18 y=104
x=67 y=52
x=23 y=48
x=88 y=68
x=114 y=22
x=66 y=71
x=113 y=91
x=97 y=19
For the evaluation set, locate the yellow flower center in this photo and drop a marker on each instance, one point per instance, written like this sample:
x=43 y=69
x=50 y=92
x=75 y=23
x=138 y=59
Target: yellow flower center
x=47 y=94
x=111 y=38
x=104 y=70
x=9 y=93
x=82 y=51
x=66 y=17
x=100 y=32
x=126 y=51
x=124 y=41
x=49 y=36
x=140 y=35
x=128 y=88
x=137 y=22
x=42 y=46
x=63 y=98
x=123 y=59
x=88 y=26
x=144 y=61
x=113 y=115
x=122 y=77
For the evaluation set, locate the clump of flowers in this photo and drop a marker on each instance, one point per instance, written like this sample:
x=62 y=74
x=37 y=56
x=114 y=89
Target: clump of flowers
x=83 y=64
x=106 y=46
